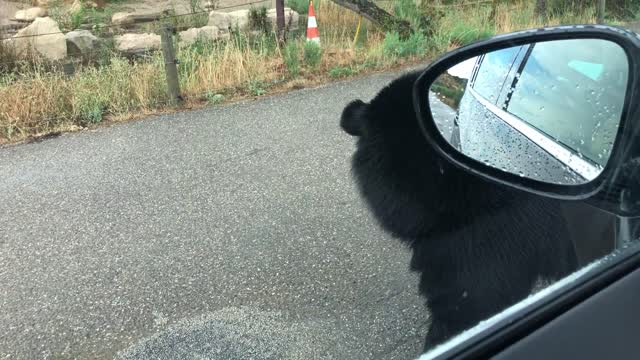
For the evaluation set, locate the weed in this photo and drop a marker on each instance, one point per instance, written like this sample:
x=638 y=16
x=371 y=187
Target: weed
x=291 y=59
x=299 y=6
x=258 y=19
x=195 y=6
x=214 y=98
x=341 y=72
x=463 y=34
x=415 y=44
x=312 y=54
x=256 y=88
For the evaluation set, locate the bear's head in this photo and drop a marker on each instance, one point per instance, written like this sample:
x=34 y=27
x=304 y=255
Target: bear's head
x=407 y=185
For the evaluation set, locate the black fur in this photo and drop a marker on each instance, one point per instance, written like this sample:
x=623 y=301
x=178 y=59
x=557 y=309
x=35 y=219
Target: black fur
x=480 y=247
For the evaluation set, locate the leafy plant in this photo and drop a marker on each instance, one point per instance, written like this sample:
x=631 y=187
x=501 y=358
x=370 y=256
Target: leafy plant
x=214 y=98
x=415 y=44
x=256 y=88
x=258 y=19
x=195 y=6
x=299 y=6
x=463 y=34
x=312 y=54
x=341 y=72
x=291 y=60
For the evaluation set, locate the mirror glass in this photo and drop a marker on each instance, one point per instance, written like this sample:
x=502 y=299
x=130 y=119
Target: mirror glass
x=549 y=111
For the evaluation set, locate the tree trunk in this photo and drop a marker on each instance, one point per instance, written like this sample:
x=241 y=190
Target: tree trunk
x=371 y=11
x=600 y=11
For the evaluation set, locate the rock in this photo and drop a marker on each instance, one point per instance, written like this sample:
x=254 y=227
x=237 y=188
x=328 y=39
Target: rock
x=20 y=15
x=30 y=14
x=136 y=44
x=81 y=42
x=76 y=6
x=210 y=5
x=96 y=4
x=226 y=21
x=239 y=18
x=189 y=36
x=41 y=3
x=291 y=18
x=53 y=45
x=123 y=19
x=220 y=20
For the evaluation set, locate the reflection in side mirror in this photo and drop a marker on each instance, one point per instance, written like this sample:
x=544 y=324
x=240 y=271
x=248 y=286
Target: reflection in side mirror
x=549 y=111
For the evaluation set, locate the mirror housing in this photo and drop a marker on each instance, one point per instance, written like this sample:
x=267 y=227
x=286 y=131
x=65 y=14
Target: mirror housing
x=614 y=189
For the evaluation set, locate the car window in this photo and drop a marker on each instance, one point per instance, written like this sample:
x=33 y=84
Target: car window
x=549 y=75
x=493 y=70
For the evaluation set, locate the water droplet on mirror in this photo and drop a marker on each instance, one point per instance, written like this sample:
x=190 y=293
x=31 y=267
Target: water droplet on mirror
x=553 y=87
x=581 y=142
x=541 y=108
x=577 y=86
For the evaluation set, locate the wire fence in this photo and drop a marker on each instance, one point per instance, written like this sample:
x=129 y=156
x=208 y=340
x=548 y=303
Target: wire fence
x=162 y=18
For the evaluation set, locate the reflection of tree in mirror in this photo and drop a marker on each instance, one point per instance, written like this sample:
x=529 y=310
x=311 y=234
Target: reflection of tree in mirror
x=449 y=89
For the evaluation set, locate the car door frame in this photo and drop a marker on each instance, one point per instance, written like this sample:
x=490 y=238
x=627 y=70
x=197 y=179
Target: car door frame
x=545 y=310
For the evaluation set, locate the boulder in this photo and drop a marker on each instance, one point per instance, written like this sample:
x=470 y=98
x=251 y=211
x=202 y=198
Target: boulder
x=137 y=44
x=41 y=3
x=229 y=20
x=76 y=6
x=53 y=45
x=30 y=14
x=96 y=4
x=189 y=36
x=239 y=18
x=79 y=4
x=123 y=19
x=221 y=20
x=81 y=42
x=291 y=18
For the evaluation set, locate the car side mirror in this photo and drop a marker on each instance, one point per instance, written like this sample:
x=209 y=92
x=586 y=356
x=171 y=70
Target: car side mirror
x=547 y=111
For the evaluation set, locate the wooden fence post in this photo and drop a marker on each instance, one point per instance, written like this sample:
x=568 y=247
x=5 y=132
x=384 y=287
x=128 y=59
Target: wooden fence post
x=280 y=19
x=170 y=63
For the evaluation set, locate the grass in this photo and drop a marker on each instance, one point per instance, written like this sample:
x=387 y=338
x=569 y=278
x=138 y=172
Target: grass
x=37 y=100
x=312 y=54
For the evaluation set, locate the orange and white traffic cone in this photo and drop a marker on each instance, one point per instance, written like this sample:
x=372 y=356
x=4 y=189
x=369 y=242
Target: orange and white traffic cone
x=313 y=34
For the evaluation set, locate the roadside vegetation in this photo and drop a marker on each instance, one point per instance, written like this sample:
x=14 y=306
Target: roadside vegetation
x=37 y=98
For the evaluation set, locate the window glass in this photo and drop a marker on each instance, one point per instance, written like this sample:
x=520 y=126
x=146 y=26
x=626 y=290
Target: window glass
x=494 y=68
x=545 y=94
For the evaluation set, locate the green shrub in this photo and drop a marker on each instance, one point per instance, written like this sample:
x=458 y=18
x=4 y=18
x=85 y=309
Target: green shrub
x=257 y=88
x=258 y=19
x=214 y=98
x=407 y=9
x=291 y=60
x=463 y=34
x=393 y=46
x=340 y=72
x=299 y=6
x=312 y=54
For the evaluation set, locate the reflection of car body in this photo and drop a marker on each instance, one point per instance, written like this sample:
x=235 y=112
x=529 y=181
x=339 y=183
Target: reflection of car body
x=522 y=100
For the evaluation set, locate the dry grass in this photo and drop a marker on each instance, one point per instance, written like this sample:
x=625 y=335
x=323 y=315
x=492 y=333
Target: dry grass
x=40 y=101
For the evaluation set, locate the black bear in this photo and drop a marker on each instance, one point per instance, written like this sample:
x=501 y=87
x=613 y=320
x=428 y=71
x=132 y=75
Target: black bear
x=479 y=247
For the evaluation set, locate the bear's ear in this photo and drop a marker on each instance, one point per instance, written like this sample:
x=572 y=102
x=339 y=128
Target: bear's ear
x=353 y=118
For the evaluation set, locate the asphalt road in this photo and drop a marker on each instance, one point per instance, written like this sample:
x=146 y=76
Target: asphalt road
x=220 y=232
